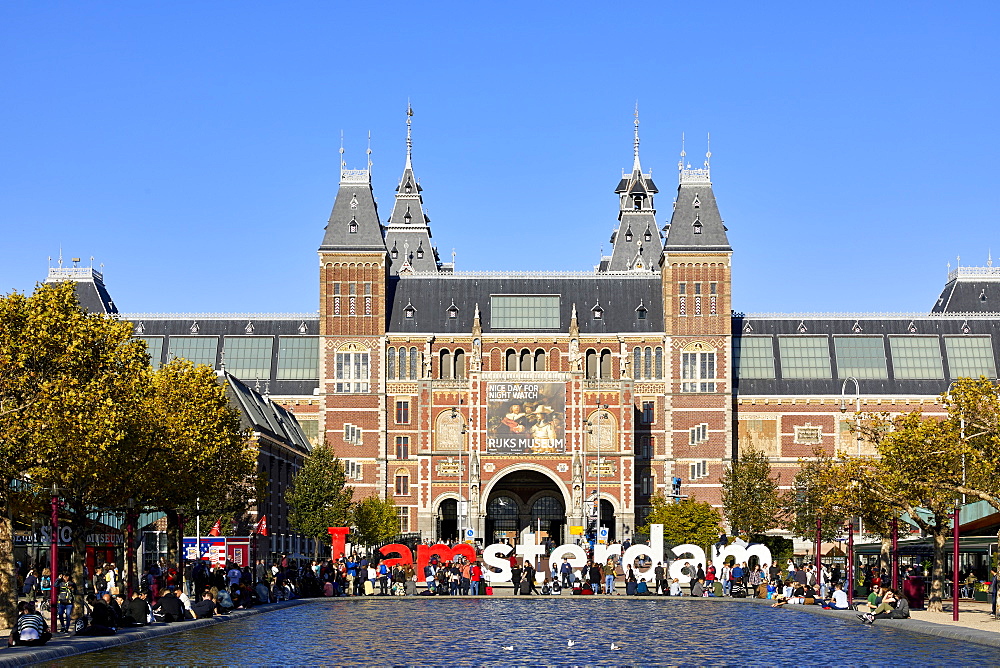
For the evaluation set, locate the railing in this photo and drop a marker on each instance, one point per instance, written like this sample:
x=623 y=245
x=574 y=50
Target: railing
x=532 y=274
x=74 y=274
x=354 y=176
x=974 y=272
x=689 y=175
x=863 y=316
x=219 y=316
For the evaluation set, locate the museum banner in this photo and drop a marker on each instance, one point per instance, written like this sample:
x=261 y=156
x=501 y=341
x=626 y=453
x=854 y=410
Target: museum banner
x=525 y=418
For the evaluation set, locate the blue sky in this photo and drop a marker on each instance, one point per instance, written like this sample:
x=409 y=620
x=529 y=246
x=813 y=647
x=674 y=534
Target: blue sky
x=192 y=147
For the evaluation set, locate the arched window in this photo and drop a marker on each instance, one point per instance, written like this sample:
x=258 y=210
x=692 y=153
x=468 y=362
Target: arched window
x=637 y=363
x=659 y=362
x=445 y=366
x=413 y=364
x=591 y=367
x=540 y=360
x=647 y=367
x=402 y=363
x=459 y=363
x=605 y=363
x=526 y=360
x=402 y=482
x=511 y=361
x=390 y=367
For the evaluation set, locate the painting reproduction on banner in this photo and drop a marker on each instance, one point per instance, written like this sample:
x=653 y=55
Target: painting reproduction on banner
x=525 y=418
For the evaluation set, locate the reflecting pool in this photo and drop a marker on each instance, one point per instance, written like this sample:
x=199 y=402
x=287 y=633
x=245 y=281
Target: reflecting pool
x=442 y=631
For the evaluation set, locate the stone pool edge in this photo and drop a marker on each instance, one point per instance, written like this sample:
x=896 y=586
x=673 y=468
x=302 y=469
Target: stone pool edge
x=63 y=647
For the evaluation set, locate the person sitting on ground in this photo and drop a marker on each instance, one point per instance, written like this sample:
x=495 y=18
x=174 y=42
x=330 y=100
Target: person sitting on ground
x=893 y=606
x=29 y=629
x=136 y=612
x=698 y=588
x=875 y=598
x=797 y=597
x=641 y=588
x=205 y=607
x=102 y=621
x=839 y=600
x=169 y=608
x=675 y=587
x=586 y=589
x=224 y=604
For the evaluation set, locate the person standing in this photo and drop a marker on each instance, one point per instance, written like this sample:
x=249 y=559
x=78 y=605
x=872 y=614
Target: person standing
x=659 y=573
x=566 y=573
x=67 y=592
x=515 y=578
x=994 y=586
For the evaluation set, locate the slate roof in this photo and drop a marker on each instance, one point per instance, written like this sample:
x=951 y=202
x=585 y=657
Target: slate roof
x=970 y=290
x=407 y=234
x=688 y=218
x=88 y=284
x=364 y=214
x=432 y=296
x=263 y=415
x=749 y=325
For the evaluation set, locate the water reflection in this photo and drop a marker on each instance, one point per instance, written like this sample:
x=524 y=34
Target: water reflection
x=441 y=631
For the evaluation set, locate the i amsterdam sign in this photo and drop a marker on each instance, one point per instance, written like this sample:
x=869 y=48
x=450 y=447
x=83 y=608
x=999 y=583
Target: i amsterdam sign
x=497 y=556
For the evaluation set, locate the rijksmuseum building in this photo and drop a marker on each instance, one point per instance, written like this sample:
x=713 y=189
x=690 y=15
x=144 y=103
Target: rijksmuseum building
x=494 y=401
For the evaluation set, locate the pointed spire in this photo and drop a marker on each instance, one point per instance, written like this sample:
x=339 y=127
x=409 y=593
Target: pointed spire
x=369 y=151
x=343 y=164
x=708 y=151
x=635 y=163
x=409 y=139
x=680 y=163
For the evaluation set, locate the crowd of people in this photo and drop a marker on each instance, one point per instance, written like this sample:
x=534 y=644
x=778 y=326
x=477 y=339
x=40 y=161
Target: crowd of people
x=161 y=596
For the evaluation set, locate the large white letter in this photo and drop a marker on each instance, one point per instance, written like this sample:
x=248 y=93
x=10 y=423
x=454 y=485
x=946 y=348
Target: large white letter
x=697 y=557
x=531 y=552
x=494 y=556
x=573 y=553
x=602 y=552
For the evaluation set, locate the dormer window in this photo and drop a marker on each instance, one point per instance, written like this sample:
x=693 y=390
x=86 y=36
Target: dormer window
x=452 y=311
x=640 y=312
x=409 y=311
x=408 y=189
x=407 y=217
x=697 y=202
x=697 y=227
x=420 y=252
x=648 y=236
x=394 y=252
x=628 y=235
x=598 y=312
x=353 y=226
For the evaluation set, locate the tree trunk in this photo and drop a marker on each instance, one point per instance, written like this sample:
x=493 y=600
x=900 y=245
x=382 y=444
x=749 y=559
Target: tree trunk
x=8 y=576
x=885 y=555
x=934 y=603
x=78 y=523
x=173 y=526
x=316 y=549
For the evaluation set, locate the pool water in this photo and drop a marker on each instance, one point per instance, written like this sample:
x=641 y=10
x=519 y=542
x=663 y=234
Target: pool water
x=442 y=631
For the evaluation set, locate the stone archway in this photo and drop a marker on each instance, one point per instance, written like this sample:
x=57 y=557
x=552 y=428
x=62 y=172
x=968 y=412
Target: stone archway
x=521 y=498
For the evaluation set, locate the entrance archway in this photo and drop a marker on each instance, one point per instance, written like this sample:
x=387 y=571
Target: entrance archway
x=524 y=498
x=447 y=520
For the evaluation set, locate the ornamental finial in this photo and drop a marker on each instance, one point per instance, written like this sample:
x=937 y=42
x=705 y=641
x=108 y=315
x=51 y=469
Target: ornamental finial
x=369 y=151
x=409 y=140
x=680 y=163
x=635 y=162
x=708 y=151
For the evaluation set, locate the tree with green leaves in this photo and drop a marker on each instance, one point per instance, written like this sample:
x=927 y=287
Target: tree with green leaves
x=806 y=502
x=374 y=521
x=72 y=387
x=319 y=496
x=750 y=495
x=195 y=451
x=684 y=521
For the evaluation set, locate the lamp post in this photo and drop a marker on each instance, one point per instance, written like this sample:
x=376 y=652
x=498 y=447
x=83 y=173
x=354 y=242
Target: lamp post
x=961 y=435
x=850 y=562
x=954 y=558
x=54 y=560
x=130 y=546
x=819 y=543
x=857 y=404
x=895 y=552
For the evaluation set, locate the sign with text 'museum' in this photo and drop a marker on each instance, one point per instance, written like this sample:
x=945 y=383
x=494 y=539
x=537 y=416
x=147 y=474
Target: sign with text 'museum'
x=525 y=418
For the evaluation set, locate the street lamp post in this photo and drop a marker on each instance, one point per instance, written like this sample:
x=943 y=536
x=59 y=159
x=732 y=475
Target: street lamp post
x=954 y=559
x=819 y=543
x=54 y=560
x=850 y=562
x=857 y=403
x=895 y=552
x=130 y=546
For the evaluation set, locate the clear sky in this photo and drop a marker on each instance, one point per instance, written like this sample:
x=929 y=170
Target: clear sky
x=191 y=148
